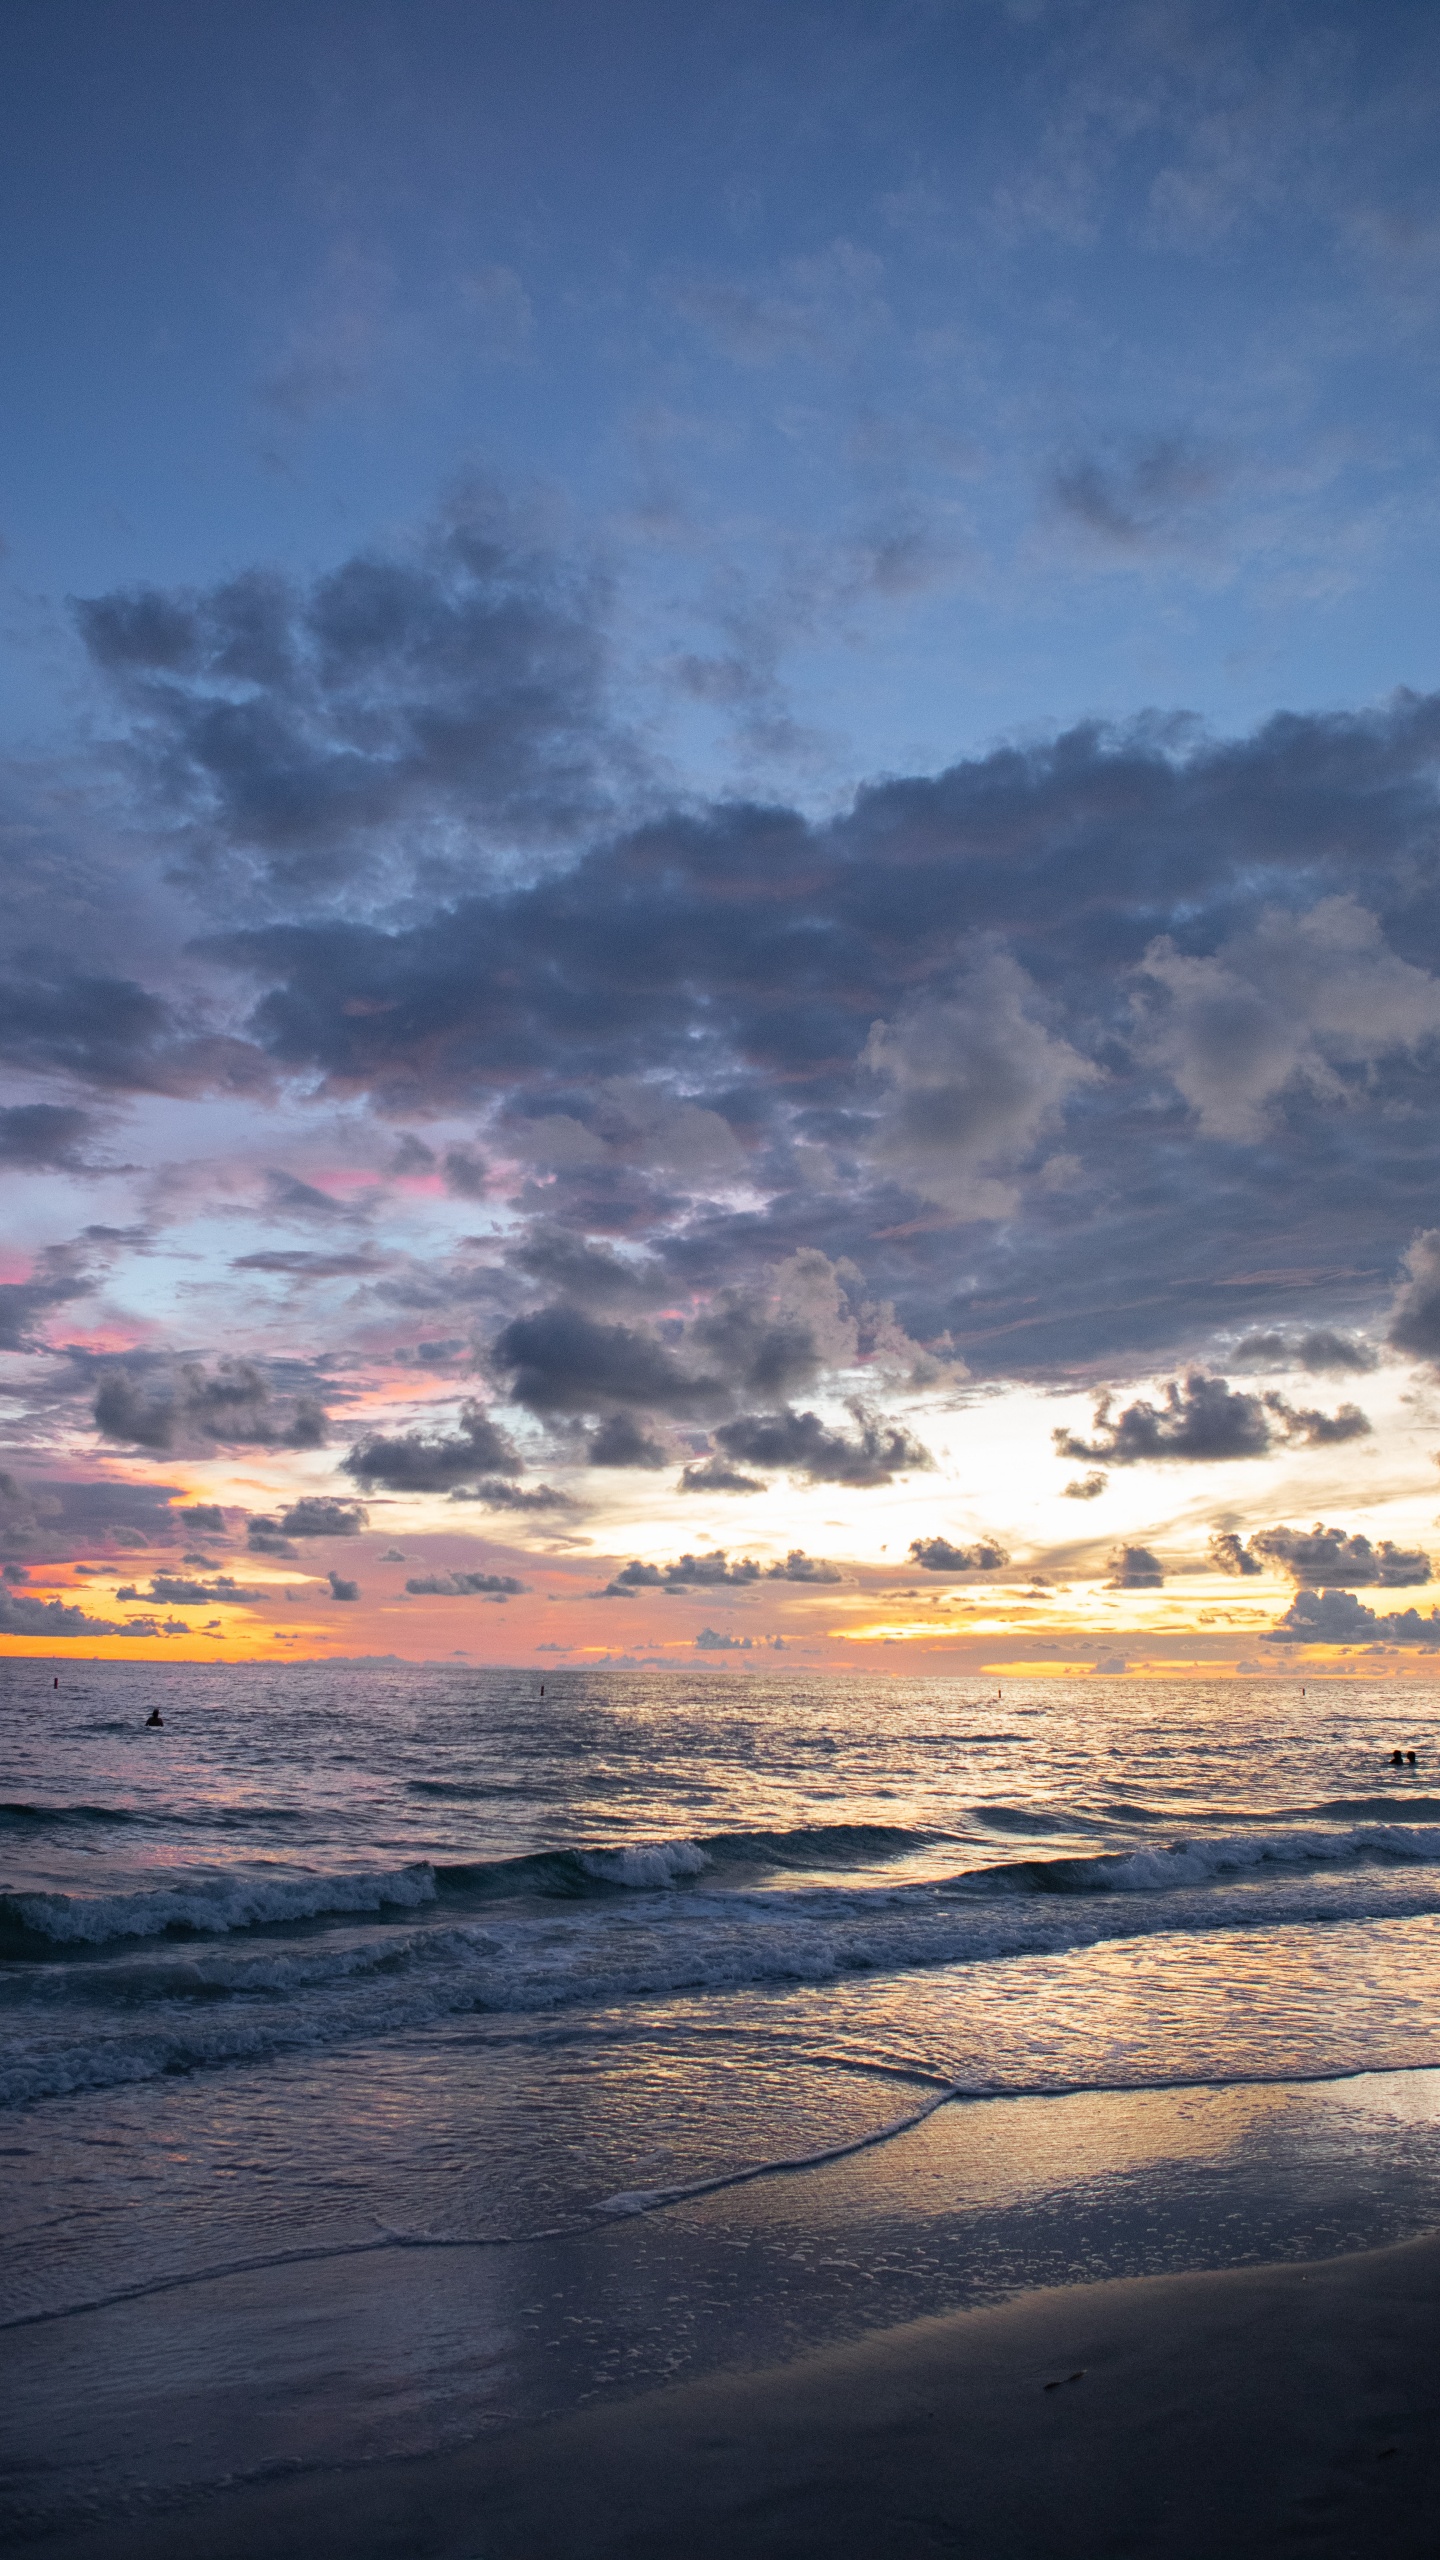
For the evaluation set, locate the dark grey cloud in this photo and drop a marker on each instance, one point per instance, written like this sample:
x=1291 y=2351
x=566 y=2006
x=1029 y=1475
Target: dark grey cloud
x=686 y=1573
x=319 y=1515
x=712 y=1475
x=562 y=1361
x=43 y=1134
x=423 y=1462
x=1415 y=1317
x=1229 y=1554
x=203 y=1515
x=798 y=1567
x=297 y=726
x=587 y=1273
x=800 y=1443
x=1204 y=1419
x=65 y=1518
x=296 y=1264
x=937 y=1555
x=21 y=1615
x=452 y=1586
x=1135 y=1569
x=1086 y=1488
x=495 y=1495
x=1336 y=1617
x=738 y=961
x=233 y=1404
x=466 y=1173
x=265 y=1537
x=114 y=1035
x=620 y=1442
x=340 y=1589
x=174 y=1591
x=714 y=1640
x=1323 y=1556
x=1321 y=1353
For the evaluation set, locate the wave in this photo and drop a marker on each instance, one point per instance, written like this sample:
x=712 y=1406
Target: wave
x=208 y=1905
x=1208 y=1861
x=205 y=1903
x=110 y=2016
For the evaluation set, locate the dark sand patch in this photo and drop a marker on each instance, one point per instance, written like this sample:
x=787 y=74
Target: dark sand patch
x=1269 y=2410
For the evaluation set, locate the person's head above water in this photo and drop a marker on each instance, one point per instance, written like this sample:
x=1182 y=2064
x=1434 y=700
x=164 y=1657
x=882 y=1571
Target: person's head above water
x=155 y=1717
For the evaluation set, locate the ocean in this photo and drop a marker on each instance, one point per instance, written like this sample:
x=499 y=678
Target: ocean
x=346 y=1965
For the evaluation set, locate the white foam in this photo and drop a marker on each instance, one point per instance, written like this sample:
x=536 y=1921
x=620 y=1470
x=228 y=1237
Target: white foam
x=216 y=1904
x=647 y=1865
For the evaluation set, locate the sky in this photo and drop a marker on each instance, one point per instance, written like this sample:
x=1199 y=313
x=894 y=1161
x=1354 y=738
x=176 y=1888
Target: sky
x=720 y=837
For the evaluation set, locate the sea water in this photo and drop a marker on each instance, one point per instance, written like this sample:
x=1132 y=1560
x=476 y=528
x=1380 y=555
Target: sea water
x=344 y=1960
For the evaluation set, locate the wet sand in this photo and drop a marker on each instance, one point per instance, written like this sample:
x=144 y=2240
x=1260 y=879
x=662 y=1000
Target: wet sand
x=1261 y=2410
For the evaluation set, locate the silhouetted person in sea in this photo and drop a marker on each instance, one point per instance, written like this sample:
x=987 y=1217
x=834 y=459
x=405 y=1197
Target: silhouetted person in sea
x=155 y=1717
x=1410 y=1759
x=1397 y=1759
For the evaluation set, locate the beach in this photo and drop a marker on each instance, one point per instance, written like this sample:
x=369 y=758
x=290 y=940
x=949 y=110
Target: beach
x=1257 y=2411
x=712 y=2113
x=1252 y=2406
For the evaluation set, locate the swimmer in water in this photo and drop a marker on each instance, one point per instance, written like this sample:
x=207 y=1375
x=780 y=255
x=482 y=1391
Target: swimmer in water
x=155 y=1717
x=1410 y=1759
x=1397 y=1759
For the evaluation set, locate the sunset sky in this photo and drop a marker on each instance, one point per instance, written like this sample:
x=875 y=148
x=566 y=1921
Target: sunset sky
x=722 y=863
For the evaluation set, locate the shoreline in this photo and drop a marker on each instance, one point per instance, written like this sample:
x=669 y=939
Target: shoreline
x=1250 y=2410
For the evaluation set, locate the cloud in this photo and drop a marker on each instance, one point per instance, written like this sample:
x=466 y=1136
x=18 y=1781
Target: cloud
x=974 y=1078
x=1229 y=1554
x=203 y=1515
x=803 y=1445
x=1336 y=1617
x=265 y=1537
x=417 y=1462
x=1323 y=1556
x=22 y=1616
x=1143 y=502
x=937 y=1555
x=459 y=1586
x=184 y=1406
x=68 y=1517
x=59 y=1276
x=1415 y=1315
x=687 y=1573
x=466 y=1175
x=562 y=1361
x=458 y=683
x=1086 y=1488
x=1204 y=1419
x=711 y=1640
x=1135 y=1569
x=798 y=1567
x=619 y=1442
x=319 y=1515
x=1321 y=1353
x=497 y=1496
x=177 y=1593
x=393 y=1555
x=1291 y=1001
x=712 y=1475
x=43 y=1135
x=342 y=1590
